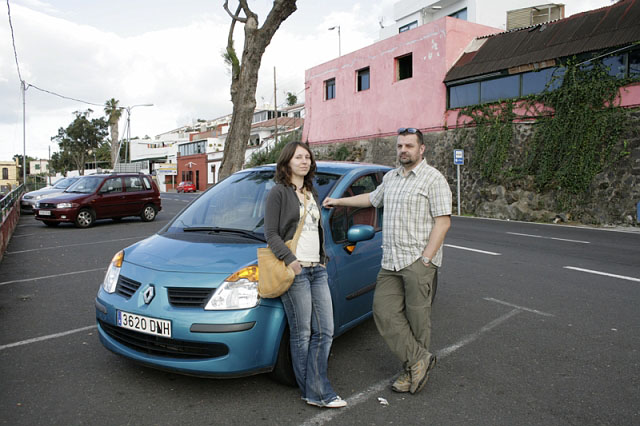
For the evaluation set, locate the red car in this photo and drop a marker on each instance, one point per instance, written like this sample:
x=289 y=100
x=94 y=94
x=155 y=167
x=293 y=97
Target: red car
x=186 y=186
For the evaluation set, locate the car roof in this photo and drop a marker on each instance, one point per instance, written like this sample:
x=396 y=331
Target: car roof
x=335 y=167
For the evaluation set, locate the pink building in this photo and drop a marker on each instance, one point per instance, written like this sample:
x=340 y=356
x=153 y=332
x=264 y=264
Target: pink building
x=396 y=82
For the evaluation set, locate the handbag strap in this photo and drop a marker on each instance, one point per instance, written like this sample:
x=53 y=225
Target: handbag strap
x=296 y=236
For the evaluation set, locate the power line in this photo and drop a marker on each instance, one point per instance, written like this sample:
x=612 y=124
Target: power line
x=13 y=40
x=62 y=96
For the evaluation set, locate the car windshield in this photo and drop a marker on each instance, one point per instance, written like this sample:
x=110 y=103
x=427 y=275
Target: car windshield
x=86 y=185
x=64 y=183
x=237 y=203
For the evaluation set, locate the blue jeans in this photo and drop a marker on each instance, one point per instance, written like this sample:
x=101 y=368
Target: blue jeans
x=307 y=304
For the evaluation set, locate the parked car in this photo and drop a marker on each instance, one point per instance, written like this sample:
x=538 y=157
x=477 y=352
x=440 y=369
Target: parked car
x=186 y=186
x=102 y=196
x=186 y=298
x=29 y=199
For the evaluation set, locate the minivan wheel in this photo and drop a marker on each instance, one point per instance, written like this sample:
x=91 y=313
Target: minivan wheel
x=283 y=370
x=148 y=213
x=85 y=218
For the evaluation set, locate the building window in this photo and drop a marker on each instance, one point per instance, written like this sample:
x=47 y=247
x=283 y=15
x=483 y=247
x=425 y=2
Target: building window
x=500 y=88
x=404 y=67
x=461 y=14
x=363 y=79
x=409 y=26
x=464 y=94
x=5 y=173
x=539 y=81
x=330 y=89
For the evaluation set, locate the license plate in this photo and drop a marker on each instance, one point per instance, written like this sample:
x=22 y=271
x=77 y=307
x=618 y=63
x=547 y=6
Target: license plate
x=44 y=212
x=148 y=325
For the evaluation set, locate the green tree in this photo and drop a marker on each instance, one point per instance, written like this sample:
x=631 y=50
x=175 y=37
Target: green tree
x=81 y=136
x=113 y=112
x=244 y=73
x=61 y=162
x=20 y=170
x=292 y=99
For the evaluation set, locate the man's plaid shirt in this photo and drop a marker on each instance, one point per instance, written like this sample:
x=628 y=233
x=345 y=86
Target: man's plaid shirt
x=410 y=205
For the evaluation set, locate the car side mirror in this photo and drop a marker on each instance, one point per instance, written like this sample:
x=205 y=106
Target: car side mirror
x=359 y=233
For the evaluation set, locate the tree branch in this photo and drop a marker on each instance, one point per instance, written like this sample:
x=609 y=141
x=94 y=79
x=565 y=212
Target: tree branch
x=236 y=16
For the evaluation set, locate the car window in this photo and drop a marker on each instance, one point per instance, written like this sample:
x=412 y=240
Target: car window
x=64 y=183
x=345 y=217
x=111 y=185
x=146 y=182
x=85 y=185
x=238 y=202
x=133 y=183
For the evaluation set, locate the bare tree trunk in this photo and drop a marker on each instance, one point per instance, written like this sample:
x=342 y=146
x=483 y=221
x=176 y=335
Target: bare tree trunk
x=244 y=75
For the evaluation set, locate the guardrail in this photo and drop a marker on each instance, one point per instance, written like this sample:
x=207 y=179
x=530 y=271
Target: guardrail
x=10 y=205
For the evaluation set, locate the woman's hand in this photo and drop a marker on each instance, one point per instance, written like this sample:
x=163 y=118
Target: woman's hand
x=295 y=265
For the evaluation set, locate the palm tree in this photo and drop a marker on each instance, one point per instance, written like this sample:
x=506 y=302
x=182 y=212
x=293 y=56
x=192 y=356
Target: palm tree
x=113 y=113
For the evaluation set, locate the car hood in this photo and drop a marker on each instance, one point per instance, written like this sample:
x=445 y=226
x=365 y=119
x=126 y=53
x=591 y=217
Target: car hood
x=173 y=255
x=43 y=191
x=65 y=197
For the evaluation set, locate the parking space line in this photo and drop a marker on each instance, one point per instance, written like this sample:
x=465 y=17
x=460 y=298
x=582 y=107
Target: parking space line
x=548 y=238
x=51 y=276
x=522 y=308
x=50 y=336
x=75 y=245
x=475 y=250
x=352 y=401
x=606 y=274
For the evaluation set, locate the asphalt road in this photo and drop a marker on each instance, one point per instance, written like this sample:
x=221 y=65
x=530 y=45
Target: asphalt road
x=533 y=325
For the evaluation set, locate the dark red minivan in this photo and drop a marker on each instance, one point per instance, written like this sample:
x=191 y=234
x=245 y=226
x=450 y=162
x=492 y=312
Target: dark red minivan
x=103 y=196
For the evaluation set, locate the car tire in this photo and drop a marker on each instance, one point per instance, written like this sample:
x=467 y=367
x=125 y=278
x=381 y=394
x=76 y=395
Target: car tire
x=148 y=213
x=51 y=223
x=85 y=218
x=283 y=370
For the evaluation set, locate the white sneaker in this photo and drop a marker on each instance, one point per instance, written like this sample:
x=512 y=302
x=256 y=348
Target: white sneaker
x=337 y=402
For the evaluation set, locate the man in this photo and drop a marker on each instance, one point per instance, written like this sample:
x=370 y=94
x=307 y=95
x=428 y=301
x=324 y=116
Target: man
x=417 y=216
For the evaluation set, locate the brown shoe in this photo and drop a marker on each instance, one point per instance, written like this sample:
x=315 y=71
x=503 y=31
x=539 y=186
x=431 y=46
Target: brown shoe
x=420 y=373
x=402 y=383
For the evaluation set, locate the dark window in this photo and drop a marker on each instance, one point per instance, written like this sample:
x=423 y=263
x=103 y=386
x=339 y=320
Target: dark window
x=363 y=79
x=500 y=88
x=463 y=95
x=330 y=89
x=404 y=67
x=409 y=26
x=461 y=14
x=634 y=63
x=345 y=217
x=616 y=65
x=133 y=183
x=5 y=173
x=538 y=81
x=112 y=185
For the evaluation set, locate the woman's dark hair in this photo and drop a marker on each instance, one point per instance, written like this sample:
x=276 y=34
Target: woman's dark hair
x=283 y=172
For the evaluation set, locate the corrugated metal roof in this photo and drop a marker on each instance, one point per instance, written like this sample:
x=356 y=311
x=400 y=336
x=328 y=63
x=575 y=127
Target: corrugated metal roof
x=608 y=27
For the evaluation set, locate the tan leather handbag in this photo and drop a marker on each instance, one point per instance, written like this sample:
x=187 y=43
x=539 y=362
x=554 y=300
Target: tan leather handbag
x=274 y=277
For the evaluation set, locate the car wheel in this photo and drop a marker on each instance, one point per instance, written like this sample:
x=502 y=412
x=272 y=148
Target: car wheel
x=283 y=370
x=148 y=213
x=51 y=223
x=85 y=218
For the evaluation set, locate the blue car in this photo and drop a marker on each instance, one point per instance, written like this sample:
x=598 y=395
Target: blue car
x=185 y=299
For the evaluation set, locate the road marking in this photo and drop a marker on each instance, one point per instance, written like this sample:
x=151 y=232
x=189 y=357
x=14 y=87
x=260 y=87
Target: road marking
x=327 y=416
x=52 y=276
x=606 y=274
x=75 y=245
x=476 y=250
x=50 y=336
x=522 y=308
x=549 y=238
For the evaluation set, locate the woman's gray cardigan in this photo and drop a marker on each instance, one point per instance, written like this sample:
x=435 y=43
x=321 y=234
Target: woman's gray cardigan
x=281 y=217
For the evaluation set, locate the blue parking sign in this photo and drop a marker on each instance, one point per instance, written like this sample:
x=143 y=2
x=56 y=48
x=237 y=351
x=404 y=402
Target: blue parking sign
x=458 y=156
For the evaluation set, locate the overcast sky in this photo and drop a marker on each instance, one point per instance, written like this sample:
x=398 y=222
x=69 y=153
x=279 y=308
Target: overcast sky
x=164 y=52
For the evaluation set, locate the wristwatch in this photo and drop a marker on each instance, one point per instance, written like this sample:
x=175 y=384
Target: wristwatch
x=426 y=260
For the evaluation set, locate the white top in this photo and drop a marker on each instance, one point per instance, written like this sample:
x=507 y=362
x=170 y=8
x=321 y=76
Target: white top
x=308 y=249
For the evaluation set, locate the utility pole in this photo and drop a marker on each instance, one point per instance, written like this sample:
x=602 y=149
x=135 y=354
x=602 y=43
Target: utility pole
x=24 y=136
x=275 y=108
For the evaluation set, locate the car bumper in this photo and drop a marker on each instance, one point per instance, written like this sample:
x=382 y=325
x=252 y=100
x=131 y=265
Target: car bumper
x=203 y=343
x=56 y=215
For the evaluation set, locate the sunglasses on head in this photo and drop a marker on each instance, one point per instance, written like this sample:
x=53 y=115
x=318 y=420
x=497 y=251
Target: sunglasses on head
x=411 y=130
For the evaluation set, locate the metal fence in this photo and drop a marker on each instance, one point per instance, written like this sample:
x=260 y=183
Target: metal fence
x=136 y=167
x=9 y=200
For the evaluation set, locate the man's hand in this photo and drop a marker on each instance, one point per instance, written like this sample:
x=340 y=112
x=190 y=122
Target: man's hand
x=330 y=202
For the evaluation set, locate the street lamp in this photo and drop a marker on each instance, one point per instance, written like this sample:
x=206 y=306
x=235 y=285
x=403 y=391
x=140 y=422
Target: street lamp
x=128 y=108
x=339 y=41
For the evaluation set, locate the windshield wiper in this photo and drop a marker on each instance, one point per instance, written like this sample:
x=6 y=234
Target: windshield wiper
x=217 y=230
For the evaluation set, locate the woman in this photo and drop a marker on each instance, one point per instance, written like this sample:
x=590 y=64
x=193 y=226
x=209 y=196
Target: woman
x=307 y=303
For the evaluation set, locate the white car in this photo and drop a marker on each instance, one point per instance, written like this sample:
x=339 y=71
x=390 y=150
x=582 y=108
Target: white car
x=29 y=199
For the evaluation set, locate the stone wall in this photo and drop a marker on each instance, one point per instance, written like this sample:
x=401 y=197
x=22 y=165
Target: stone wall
x=610 y=200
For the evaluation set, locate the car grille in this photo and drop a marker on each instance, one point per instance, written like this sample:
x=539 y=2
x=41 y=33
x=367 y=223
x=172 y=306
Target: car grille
x=126 y=286
x=161 y=346
x=181 y=297
x=47 y=205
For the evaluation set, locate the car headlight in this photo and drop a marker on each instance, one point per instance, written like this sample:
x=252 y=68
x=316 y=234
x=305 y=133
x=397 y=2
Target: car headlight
x=113 y=273
x=37 y=197
x=64 y=205
x=238 y=291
